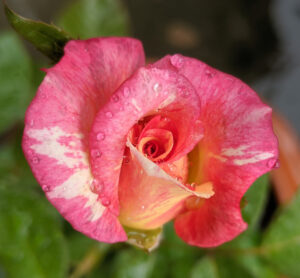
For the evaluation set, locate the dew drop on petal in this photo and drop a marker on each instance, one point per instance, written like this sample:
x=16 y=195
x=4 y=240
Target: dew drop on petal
x=95 y=153
x=31 y=123
x=143 y=207
x=126 y=92
x=96 y=186
x=157 y=87
x=108 y=114
x=100 y=136
x=46 y=188
x=273 y=163
x=209 y=73
x=126 y=159
x=185 y=94
x=179 y=179
x=115 y=98
x=105 y=202
x=172 y=167
x=177 y=61
x=35 y=160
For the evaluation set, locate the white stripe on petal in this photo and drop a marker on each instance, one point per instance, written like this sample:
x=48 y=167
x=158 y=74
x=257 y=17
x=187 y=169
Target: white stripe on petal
x=50 y=146
x=254 y=159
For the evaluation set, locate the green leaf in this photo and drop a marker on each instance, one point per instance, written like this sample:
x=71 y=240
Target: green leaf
x=229 y=267
x=79 y=245
x=133 y=263
x=48 y=39
x=32 y=244
x=95 y=18
x=146 y=240
x=205 y=268
x=281 y=243
x=256 y=198
x=15 y=79
x=174 y=252
x=219 y=267
x=255 y=265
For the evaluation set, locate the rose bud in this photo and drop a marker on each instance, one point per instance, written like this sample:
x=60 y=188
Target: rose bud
x=119 y=145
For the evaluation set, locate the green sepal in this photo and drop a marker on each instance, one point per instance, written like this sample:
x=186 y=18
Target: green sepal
x=47 y=38
x=147 y=240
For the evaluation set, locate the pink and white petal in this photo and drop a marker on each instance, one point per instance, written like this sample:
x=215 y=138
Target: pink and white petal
x=149 y=197
x=238 y=146
x=57 y=123
x=136 y=98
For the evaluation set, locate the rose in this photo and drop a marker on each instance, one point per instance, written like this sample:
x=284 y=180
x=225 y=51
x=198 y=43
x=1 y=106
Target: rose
x=115 y=143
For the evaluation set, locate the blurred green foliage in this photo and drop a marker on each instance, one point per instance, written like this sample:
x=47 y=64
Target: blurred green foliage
x=281 y=243
x=36 y=242
x=94 y=18
x=15 y=80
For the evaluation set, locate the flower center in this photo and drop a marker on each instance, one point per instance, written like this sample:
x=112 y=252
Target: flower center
x=156 y=144
x=154 y=138
x=151 y=149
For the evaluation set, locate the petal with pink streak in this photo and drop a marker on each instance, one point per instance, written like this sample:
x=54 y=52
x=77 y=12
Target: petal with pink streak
x=238 y=146
x=150 y=91
x=149 y=197
x=59 y=119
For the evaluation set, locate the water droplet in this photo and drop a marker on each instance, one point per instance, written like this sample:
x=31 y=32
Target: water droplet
x=115 y=98
x=126 y=159
x=143 y=207
x=96 y=186
x=179 y=179
x=31 y=123
x=172 y=167
x=126 y=92
x=193 y=184
x=44 y=95
x=177 y=61
x=105 y=202
x=185 y=94
x=108 y=114
x=35 y=160
x=100 y=136
x=209 y=73
x=273 y=163
x=157 y=87
x=46 y=188
x=96 y=153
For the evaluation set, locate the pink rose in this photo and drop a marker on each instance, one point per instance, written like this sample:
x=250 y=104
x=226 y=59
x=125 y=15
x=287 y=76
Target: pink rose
x=116 y=143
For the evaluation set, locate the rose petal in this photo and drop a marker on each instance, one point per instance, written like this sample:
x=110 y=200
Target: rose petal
x=163 y=140
x=58 y=120
x=149 y=197
x=170 y=127
x=139 y=97
x=238 y=146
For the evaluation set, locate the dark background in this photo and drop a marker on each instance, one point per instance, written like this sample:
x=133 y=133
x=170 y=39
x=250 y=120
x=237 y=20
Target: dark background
x=256 y=40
